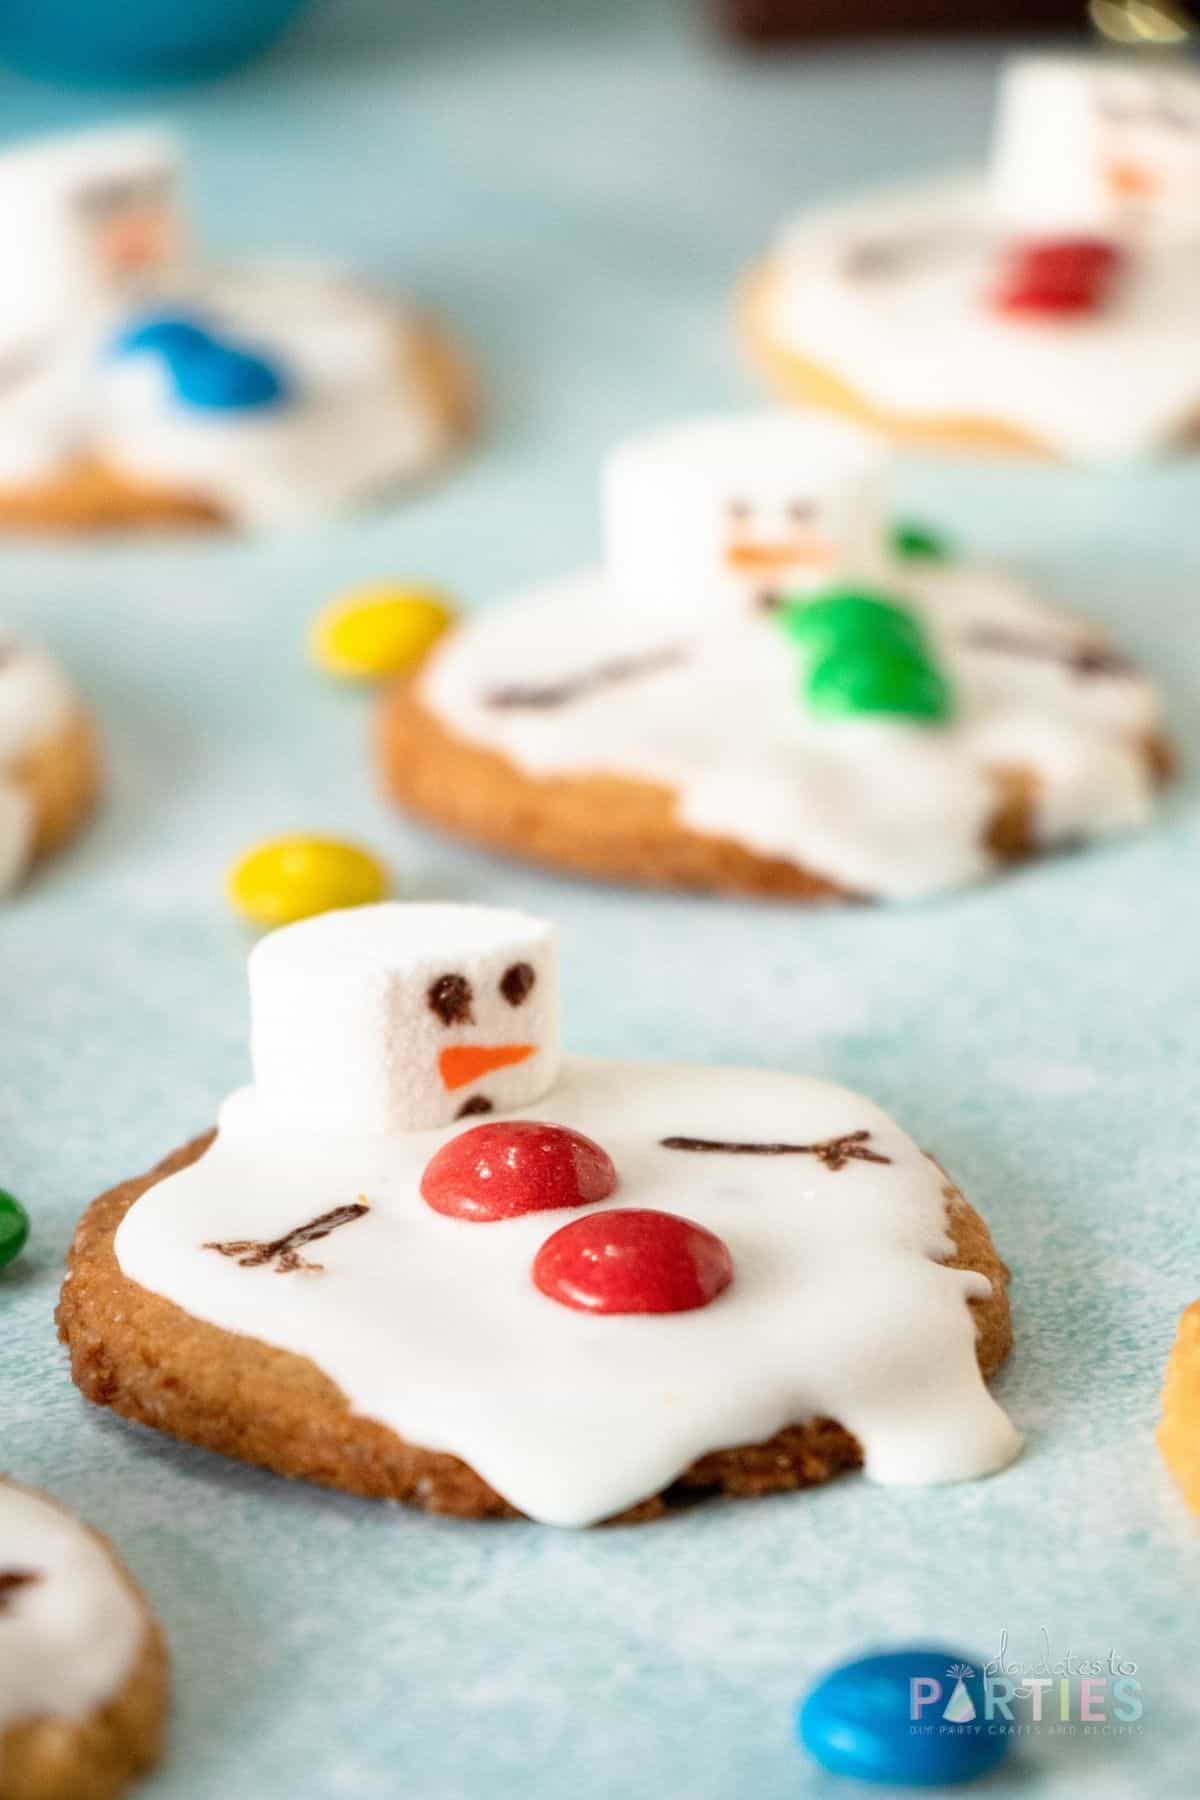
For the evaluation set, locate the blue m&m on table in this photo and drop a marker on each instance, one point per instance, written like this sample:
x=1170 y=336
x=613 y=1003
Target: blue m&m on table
x=914 y=1717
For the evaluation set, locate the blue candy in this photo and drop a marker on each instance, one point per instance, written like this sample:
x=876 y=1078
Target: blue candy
x=165 y=334
x=218 y=378
x=867 y=1719
x=206 y=373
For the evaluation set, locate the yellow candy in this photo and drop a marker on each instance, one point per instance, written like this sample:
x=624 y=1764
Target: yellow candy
x=384 y=629
x=291 y=878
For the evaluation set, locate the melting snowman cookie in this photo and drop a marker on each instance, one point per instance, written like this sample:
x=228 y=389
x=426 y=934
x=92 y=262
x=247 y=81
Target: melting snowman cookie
x=1048 y=310
x=626 y=1282
x=83 y=1675
x=770 y=689
x=141 y=384
x=49 y=759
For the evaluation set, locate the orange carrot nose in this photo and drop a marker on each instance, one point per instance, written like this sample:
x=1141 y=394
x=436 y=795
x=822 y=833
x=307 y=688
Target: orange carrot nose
x=467 y=1062
x=1131 y=181
x=753 y=558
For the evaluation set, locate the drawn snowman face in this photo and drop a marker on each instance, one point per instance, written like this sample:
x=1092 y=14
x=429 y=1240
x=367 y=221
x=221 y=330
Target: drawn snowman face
x=404 y=1017
x=1148 y=149
x=480 y=1016
x=130 y=225
x=721 y=517
x=1099 y=145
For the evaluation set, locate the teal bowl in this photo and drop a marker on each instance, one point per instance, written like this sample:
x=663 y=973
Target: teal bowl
x=137 y=43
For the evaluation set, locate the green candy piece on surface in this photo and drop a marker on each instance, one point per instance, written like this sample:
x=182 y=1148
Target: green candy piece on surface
x=914 y=542
x=852 y=618
x=885 y=681
x=14 y=1227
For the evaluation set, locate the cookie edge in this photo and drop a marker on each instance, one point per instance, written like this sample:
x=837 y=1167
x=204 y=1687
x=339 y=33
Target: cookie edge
x=152 y=1362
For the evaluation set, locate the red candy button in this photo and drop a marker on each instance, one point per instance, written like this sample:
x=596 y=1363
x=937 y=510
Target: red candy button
x=633 y=1260
x=1058 y=276
x=502 y=1170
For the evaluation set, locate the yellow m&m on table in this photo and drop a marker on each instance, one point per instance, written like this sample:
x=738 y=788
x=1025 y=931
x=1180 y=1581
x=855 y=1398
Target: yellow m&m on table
x=384 y=629
x=290 y=878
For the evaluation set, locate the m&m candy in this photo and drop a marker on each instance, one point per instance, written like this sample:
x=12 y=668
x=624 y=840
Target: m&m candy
x=913 y=541
x=516 y=1166
x=14 y=1227
x=633 y=1260
x=891 y=681
x=372 y=632
x=913 y=1717
x=865 y=652
x=1058 y=278
x=291 y=878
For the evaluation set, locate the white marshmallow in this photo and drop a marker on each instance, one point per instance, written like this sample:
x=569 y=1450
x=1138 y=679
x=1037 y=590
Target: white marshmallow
x=85 y=220
x=363 y=1020
x=1099 y=144
x=706 y=517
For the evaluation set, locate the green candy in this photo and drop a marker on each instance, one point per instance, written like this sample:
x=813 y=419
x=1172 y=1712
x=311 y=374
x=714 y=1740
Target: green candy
x=913 y=542
x=893 y=681
x=14 y=1227
x=843 y=617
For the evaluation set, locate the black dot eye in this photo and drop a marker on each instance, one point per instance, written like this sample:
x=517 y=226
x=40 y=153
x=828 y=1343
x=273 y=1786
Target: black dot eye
x=450 y=998
x=516 y=983
x=739 y=511
x=800 y=512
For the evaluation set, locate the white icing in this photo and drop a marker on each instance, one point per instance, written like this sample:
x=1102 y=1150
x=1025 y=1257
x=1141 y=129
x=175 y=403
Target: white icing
x=362 y=417
x=344 y=1034
x=36 y=700
x=362 y=413
x=883 y=807
x=68 y=1640
x=922 y=340
x=433 y=1327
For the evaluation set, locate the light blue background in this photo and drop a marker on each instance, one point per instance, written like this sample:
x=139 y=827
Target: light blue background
x=577 y=187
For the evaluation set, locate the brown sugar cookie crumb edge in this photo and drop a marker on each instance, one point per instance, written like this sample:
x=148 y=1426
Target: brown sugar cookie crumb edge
x=152 y=1362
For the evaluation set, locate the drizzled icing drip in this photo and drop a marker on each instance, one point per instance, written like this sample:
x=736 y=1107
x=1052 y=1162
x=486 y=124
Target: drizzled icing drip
x=878 y=804
x=840 y=1307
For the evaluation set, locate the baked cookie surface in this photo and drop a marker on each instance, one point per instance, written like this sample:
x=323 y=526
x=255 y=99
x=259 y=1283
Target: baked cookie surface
x=83 y=1670
x=152 y=387
x=1045 y=310
x=297 y=1294
x=757 y=694
x=49 y=759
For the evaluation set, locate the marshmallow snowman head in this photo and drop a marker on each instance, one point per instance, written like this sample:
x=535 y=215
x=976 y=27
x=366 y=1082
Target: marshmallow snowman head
x=86 y=219
x=404 y=1017
x=716 y=517
x=1096 y=144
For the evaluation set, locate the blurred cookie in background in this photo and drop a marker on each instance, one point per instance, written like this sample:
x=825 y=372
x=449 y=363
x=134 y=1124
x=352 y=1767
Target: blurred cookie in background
x=143 y=384
x=49 y=759
x=1047 y=308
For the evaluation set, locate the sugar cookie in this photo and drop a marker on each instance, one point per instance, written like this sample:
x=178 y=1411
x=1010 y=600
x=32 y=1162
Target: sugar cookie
x=425 y=1258
x=146 y=386
x=1049 y=310
x=1179 y=1430
x=49 y=759
x=767 y=690
x=83 y=1666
